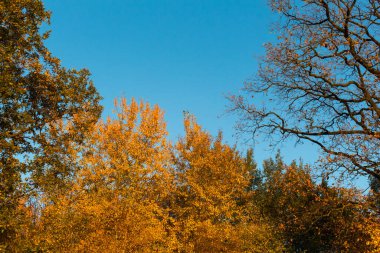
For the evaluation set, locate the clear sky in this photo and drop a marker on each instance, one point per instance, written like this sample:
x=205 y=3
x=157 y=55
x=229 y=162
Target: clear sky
x=180 y=54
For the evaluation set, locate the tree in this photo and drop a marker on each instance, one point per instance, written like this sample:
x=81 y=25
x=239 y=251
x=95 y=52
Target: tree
x=324 y=73
x=211 y=206
x=35 y=92
x=118 y=197
x=313 y=217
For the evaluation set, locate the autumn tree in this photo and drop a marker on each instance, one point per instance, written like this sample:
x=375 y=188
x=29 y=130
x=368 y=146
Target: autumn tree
x=322 y=81
x=313 y=217
x=119 y=195
x=211 y=207
x=35 y=91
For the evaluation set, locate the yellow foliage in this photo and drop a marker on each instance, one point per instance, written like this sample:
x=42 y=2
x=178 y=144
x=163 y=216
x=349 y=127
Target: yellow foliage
x=375 y=236
x=128 y=190
x=117 y=201
x=211 y=202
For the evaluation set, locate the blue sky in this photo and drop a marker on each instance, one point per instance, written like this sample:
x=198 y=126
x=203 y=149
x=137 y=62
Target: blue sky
x=180 y=54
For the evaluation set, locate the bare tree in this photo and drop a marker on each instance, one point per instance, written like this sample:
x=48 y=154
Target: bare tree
x=324 y=76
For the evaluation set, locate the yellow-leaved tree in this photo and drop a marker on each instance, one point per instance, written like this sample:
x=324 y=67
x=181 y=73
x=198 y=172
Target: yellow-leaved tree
x=118 y=201
x=211 y=206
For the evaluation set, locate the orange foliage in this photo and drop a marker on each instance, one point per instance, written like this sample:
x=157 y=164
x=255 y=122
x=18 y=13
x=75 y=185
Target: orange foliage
x=118 y=198
x=125 y=188
x=211 y=202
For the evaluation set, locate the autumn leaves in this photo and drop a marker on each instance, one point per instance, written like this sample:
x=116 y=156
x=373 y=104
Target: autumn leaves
x=133 y=191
